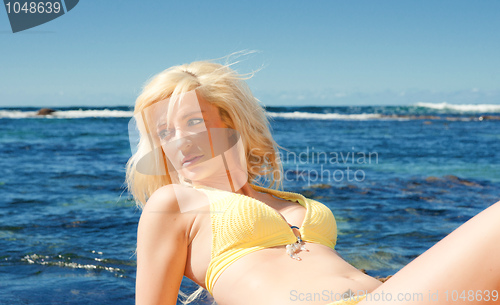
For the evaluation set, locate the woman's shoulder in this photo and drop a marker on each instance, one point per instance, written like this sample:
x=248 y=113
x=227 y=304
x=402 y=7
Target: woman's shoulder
x=166 y=213
x=176 y=198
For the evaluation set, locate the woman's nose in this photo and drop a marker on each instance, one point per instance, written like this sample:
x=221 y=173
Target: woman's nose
x=182 y=139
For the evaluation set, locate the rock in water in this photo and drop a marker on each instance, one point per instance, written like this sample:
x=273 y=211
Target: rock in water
x=45 y=111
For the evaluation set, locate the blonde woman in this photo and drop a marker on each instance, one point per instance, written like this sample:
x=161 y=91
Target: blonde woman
x=204 y=142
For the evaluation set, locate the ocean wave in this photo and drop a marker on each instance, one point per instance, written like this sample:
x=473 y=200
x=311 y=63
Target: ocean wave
x=428 y=111
x=461 y=108
x=62 y=261
x=75 y=114
x=67 y=114
x=324 y=116
x=93 y=113
x=16 y=114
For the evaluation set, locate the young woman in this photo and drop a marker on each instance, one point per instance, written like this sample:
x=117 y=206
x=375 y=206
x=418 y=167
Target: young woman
x=204 y=142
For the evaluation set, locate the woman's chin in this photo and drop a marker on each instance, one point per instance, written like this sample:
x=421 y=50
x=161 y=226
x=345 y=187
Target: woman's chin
x=195 y=173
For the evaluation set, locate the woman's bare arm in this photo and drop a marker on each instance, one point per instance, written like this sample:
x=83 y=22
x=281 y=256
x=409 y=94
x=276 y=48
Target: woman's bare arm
x=162 y=242
x=463 y=268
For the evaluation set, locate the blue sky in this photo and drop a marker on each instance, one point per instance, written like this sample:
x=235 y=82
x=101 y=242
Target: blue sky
x=313 y=53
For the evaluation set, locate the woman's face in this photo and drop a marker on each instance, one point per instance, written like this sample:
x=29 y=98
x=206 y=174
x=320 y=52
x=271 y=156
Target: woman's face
x=183 y=131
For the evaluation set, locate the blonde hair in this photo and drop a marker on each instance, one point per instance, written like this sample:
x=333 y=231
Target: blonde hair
x=239 y=109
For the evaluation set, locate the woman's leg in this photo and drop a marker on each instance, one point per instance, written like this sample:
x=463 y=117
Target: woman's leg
x=462 y=268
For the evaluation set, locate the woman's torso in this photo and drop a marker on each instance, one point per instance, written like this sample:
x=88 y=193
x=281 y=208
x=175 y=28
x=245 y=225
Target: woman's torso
x=270 y=276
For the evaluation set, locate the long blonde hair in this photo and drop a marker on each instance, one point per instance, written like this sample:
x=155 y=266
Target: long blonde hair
x=239 y=109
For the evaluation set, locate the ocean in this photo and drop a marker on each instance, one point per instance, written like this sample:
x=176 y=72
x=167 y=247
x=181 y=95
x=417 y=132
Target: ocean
x=397 y=178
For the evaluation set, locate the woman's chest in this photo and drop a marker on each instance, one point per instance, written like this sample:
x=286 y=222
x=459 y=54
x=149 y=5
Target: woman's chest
x=199 y=249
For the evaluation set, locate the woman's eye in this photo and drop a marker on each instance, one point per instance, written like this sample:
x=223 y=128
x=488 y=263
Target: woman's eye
x=165 y=134
x=194 y=122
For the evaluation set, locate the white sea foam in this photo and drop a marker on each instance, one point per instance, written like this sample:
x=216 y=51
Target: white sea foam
x=67 y=114
x=461 y=108
x=324 y=116
x=93 y=113
x=16 y=114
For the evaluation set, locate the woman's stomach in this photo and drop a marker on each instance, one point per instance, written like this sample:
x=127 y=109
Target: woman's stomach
x=270 y=276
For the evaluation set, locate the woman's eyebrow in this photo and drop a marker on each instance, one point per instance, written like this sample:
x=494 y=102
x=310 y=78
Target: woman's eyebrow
x=191 y=113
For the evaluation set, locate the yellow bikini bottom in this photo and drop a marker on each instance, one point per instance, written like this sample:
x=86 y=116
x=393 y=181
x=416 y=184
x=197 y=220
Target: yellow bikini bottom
x=352 y=301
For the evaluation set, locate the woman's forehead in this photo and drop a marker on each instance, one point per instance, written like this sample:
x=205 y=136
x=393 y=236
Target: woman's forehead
x=178 y=107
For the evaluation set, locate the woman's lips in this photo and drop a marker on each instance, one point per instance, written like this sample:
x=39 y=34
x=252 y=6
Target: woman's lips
x=189 y=160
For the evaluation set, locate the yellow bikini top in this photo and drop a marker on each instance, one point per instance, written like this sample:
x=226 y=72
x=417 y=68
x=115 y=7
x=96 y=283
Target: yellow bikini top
x=242 y=224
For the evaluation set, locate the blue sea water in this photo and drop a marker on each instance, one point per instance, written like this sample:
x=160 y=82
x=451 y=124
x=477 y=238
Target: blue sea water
x=398 y=180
